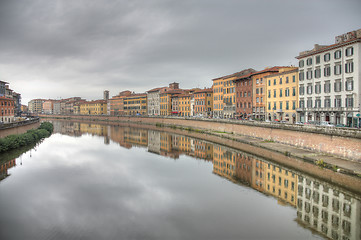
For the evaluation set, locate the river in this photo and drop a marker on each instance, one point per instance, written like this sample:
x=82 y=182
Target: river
x=94 y=181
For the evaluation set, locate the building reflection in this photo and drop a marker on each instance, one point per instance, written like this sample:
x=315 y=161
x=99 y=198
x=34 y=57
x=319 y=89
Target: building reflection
x=323 y=208
x=4 y=167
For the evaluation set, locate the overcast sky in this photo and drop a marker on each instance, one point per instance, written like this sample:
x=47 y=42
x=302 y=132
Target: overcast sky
x=58 y=49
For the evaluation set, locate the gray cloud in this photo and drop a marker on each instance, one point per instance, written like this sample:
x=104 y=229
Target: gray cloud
x=80 y=48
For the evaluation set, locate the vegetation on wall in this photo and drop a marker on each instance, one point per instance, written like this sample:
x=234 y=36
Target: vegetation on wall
x=30 y=137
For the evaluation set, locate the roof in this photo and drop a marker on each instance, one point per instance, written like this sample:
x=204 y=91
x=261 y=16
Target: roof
x=326 y=48
x=295 y=69
x=156 y=89
x=204 y=90
x=237 y=74
x=94 y=102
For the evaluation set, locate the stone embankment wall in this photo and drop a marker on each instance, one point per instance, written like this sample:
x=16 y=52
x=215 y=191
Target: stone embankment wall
x=18 y=127
x=340 y=142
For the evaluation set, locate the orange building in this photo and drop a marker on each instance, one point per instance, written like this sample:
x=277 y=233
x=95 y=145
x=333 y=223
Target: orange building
x=259 y=91
x=203 y=102
x=117 y=103
x=7 y=106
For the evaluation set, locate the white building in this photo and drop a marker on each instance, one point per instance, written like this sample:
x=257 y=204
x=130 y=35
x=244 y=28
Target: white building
x=329 y=81
x=153 y=101
x=328 y=210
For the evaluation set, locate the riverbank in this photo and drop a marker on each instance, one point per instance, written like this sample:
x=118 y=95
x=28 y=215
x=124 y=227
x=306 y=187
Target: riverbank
x=299 y=160
x=29 y=138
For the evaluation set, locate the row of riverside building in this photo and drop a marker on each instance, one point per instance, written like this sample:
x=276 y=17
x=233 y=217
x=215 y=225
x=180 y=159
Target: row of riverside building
x=325 y=87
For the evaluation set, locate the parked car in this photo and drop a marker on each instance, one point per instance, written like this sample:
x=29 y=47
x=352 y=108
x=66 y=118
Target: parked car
x=327 y=124
x=299 y=123
x=340 y=125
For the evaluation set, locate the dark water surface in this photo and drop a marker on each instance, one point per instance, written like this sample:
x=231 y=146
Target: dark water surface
x=91 y=181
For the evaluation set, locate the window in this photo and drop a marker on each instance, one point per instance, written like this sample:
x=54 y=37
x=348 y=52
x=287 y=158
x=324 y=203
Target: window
x=349 y=67
x=287 y=107
x=269 y=93
x=309 y=74
x=274 y=82
x=274 y=93
x=318 y=59
x=280 y=80
x=309 y=89
x=337 y=54
x=349 y=51
x=257 y=91
x=269 y=82
x=287 y=92
x=337 y=86
x=309 y=102
x=349 y=84
x=301 y=63
x=327 y=71
x=327 y=87
x=302 y=90
x=318 y=103
x=280 y=92
x=317 y=72
x=301 y=75
x=349 y=101
x=281 y=103
x=269 y=106
x=309 y=61
x=338 y=69
x=327 y=57
x=327 y=102
x=318 y=88
x=293 y=105
x=274 y=106
x=286 y=79
x=294 y=91
x=302 y=103
x=338 y=102
x=293 y=78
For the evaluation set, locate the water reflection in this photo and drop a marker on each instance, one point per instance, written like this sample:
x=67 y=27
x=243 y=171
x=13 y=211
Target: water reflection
x=325 y=209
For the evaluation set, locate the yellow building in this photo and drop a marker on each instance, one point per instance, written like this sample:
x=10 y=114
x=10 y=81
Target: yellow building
x=184 y=104
x=282 y=95
x=98 y=107
x=218 y=97
x=281 y=183
x=135 y=104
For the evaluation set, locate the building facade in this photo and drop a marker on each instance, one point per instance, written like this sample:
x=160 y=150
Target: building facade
x=36 y=105
x=244 y=98
x=329 y=81
x=282 y=95
x=203 y=102
x=97 y=107
x=135 y=104
x=117 y=103
x=7 y=109
x=218 y=97
x=153 y=100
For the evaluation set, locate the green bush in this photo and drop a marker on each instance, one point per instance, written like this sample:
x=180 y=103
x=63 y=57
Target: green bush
x=30 y=137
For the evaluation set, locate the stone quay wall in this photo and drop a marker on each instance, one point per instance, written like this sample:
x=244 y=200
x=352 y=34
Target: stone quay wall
x=341 y=142
x=18 y=127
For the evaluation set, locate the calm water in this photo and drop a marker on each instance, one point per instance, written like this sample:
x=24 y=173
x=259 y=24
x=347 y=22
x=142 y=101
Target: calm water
x=91 y=181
